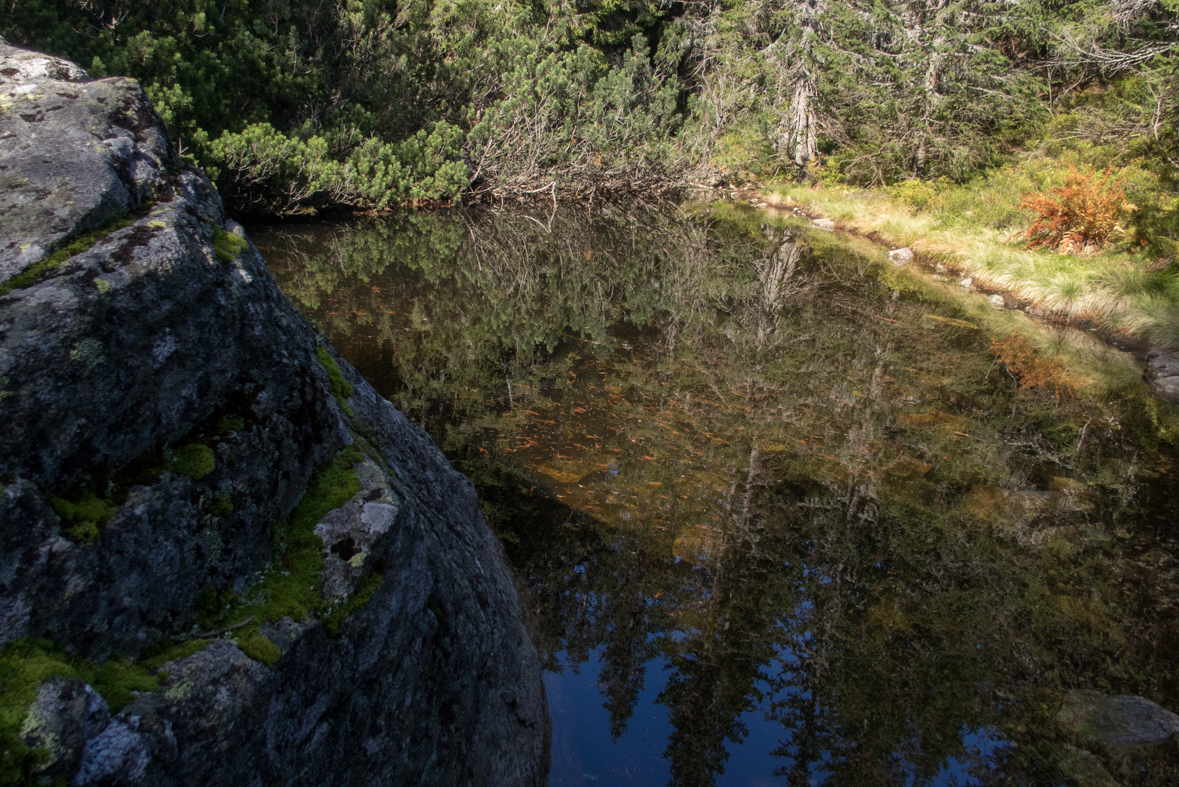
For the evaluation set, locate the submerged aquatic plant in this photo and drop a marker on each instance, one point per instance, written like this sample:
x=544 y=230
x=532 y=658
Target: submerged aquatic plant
x=1032 y=368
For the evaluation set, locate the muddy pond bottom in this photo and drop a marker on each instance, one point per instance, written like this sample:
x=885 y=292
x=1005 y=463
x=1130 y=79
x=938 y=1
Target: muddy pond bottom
x=779 y=514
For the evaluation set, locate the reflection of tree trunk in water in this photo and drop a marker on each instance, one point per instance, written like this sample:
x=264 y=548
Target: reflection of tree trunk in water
x=747 y=500
x=805 y=740
x=739 y=532
x=776 y=274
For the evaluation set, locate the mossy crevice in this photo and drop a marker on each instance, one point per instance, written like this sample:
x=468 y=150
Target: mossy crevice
x=341 y=388
x=76 y=246
x=292 y=587
x=91 y=504
x=367 y=588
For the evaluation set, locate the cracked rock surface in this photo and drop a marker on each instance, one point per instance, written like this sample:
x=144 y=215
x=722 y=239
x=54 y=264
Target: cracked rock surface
x=150 y=343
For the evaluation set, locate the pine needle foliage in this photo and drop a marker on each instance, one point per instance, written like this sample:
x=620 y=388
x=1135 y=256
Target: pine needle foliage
x=1081 y=217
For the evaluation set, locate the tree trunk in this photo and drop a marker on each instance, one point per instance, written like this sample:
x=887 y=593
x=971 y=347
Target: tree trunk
x=801 y=137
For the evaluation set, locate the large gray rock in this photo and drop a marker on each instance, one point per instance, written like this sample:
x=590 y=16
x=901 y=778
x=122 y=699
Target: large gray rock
x=1083 y=768
x=1115 y=723
x=73 y=154
x=151 y=342
x=1162 y=374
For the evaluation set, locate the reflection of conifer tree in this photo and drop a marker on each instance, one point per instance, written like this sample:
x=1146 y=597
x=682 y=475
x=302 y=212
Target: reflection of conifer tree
x=726 y=642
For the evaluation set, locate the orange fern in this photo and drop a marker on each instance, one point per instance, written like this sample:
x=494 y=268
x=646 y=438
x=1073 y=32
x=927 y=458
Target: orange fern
x=1081 y=216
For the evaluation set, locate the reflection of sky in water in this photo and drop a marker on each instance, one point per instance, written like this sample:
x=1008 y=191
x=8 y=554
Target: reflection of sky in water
x=583 y=752
x=585 y=755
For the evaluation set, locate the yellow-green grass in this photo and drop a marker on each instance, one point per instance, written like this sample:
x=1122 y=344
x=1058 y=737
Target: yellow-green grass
x=1114 y=289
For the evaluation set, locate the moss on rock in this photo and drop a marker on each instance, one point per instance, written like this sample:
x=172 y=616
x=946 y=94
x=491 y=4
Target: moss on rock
x=27 y=663
x=89 y=513
x=341 y=388
x=24 y=665
x=255 y=645
x=292 y=588
x=193 y=460
x=227 y=246
x=78 y=245
x=368 y=587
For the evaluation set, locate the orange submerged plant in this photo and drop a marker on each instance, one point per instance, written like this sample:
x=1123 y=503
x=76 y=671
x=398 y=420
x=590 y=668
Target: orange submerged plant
x=1031 y=369
x=1079 y=217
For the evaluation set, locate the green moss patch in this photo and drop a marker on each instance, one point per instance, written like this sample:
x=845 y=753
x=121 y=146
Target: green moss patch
x=255 y=645
x=341 y=388
x=24 y=665
x=292 y=587
x=117 y=678
x=228 y=246
x=193 y=460
x=87 y=512
x=230 y=424
x=78 y=245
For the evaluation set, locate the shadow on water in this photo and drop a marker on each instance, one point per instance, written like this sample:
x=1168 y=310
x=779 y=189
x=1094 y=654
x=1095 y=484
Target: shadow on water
x=774 y=522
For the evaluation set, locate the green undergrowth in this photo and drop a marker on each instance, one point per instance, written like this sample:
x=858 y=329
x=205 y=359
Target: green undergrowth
x=228 y=246
x=341 y=388
x=25 y=664
x=74 y=247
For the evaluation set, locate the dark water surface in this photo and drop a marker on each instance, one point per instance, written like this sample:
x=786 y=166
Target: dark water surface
x=774 y=522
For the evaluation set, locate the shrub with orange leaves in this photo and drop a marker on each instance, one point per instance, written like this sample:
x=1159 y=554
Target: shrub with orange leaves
x=1079 y=217
x=1030 y=368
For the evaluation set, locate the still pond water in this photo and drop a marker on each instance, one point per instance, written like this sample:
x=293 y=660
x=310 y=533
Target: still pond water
x=780 y=517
